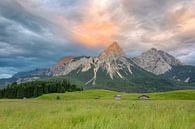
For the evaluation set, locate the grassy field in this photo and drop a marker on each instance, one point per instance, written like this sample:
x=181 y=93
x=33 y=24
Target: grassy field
x=79 y=110
x=105 y=94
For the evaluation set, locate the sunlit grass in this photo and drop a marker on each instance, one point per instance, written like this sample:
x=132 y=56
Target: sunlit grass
x=90 y=113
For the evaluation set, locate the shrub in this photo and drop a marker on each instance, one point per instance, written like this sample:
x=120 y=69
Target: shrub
x=58 y=97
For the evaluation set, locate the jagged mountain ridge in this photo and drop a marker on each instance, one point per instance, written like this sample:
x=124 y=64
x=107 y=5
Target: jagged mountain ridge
x=27 y=76
x=114 y=64
x=156 y=61
x=154 y=70
x=112 y=60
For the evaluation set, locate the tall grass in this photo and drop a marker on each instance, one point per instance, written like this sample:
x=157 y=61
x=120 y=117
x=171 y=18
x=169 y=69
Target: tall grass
x=97 y=114
x=81 y=110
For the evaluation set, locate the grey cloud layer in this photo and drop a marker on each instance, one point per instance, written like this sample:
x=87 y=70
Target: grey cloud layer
x=26 y=41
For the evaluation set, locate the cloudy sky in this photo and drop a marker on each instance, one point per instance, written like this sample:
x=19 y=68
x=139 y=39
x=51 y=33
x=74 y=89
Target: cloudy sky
x=37 y=33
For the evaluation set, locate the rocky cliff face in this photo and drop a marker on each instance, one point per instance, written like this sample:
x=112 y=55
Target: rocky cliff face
x=171 y=60
x=64 y=68
x=156 y=61
x=112 y=60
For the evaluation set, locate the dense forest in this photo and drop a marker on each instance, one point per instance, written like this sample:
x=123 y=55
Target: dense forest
x=37 y=88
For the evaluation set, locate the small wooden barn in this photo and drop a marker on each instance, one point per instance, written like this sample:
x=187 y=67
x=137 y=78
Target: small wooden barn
x=117 y=97
x=143 y=97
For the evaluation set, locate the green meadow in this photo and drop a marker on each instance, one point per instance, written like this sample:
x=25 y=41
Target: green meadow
x=81 y=110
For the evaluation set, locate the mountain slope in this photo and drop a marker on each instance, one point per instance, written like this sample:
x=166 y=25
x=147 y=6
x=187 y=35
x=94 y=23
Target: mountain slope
x=21 y=77
x=181 y=73
x=156 y=61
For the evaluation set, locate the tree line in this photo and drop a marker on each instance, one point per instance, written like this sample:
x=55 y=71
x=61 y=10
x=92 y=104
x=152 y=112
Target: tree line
x=37 y=88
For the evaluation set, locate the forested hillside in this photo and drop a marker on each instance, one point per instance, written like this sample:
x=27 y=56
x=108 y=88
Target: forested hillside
x=37 y=88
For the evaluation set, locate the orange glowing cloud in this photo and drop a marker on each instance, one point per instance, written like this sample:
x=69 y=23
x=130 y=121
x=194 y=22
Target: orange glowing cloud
x=94 y=34
x=96 y=28
x=184 y=19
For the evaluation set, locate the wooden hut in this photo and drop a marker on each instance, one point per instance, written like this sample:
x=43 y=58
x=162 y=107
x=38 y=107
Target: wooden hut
x=117 y=97
x=143 y=97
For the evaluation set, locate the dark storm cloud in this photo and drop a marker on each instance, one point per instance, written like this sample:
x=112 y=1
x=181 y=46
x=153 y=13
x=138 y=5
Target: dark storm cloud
x=26 y=41
x=11 y=10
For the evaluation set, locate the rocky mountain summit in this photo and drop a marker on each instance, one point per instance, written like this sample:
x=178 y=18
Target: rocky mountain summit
x=112 y=60
x=114 y=50
x=156 y=61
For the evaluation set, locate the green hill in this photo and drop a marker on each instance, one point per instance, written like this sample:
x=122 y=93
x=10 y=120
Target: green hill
x=106 y=94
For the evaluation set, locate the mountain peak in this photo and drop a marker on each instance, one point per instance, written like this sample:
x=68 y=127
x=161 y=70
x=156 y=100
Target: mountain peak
x=114 y=44
x=156 y=61
x=113 y=50
x=153 y=49
x=171 y=60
